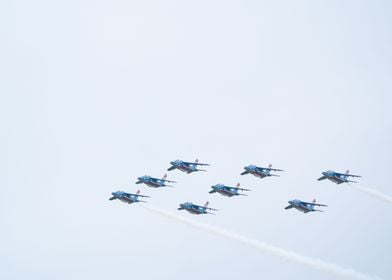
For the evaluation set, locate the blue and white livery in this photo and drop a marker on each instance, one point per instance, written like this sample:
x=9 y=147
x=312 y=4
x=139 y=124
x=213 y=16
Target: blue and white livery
x=127 y=197
x=303 y=206
x=227 y=190
x=196 y=209
x=187 y=167
x=338 y=178
x=260 y=172
x=154 y=182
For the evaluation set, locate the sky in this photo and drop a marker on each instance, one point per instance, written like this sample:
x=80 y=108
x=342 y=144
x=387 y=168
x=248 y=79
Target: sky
x=94 y=94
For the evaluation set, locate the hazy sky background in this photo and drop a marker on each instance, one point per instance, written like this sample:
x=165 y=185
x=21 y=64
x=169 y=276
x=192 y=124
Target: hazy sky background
x=97 y=93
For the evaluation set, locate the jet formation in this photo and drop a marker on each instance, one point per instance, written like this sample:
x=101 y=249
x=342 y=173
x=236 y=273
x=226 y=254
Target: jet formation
x=226 y=190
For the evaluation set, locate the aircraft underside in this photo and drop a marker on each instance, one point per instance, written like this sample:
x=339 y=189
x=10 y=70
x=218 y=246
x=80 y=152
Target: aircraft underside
x=153 y=185
x=260 y=175
x=126 y=200
x=302 y=209
x=193 y=211
x=185 y=169
x=226 y=193
x=336 y=180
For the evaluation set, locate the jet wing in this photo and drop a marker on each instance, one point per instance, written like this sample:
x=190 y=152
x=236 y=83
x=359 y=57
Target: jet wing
x=314 y=204
x=196 y=163
x=270 y=169
x=348 y=175
x=352 y=175
x=322 y=178
x=171 y=168
x=240 y=189
x=289 y=207
x=168 y=181
x=129 y=195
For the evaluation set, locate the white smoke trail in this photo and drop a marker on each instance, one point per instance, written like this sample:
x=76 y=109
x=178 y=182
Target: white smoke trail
x=276 y=251
x=372 y=192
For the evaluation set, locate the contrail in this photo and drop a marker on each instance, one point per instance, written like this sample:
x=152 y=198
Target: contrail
x=373 y=193
x=266 y=248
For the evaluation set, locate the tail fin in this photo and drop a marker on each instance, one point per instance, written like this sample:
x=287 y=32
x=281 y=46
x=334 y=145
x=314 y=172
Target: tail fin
x=138 y=192
x=164 y=176
x=347 y=171
x=197 y=160
x=206 y=204
x=269 y=165
x=314 y=200
x=238 y=184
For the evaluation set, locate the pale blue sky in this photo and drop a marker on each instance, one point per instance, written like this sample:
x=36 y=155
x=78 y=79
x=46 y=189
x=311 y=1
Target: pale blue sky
x=97 y=93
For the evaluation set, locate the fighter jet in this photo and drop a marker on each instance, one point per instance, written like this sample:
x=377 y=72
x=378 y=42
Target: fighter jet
x=127 y=197
x=304 y=206
x=154 y=182
x=227 y=191
x=187 y=167
x=260 y=172
x=338 y=178
x=196 y=209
